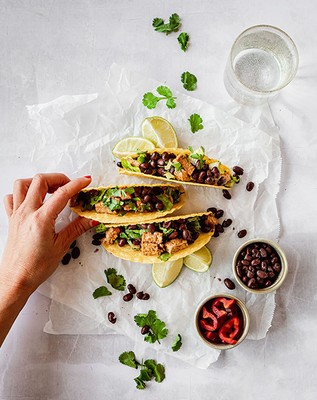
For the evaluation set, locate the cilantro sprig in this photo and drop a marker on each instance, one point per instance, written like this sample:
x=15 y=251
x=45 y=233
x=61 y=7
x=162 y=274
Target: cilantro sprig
x=183 y=40
x=189 y=81
x=157 y=327
x=198 y=154
x=148 y=370
x=196 y=123
x=150 y=100
x=172 y=26
x=114 y=279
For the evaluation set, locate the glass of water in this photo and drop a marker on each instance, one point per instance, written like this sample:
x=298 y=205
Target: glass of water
x=263 y=60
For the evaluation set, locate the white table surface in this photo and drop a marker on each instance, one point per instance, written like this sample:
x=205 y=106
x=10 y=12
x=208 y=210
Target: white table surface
x=49 y=48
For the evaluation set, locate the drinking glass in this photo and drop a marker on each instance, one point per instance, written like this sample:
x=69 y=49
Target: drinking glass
x=262 y=61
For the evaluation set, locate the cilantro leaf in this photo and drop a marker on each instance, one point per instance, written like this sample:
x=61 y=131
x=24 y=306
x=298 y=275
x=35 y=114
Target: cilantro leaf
x=139 y=383
x=126 y=165
x=195 y=121
x=146 y=374
x=150 y=100
x=158 y=328
x=183 y=40
x=128 y=358
x=158 y=370
x=165 y=256
x=101 y=228
x=101 y=291
x=189 y=81
x=115 y=280
x=177 y=343
x=173 y=25
x=164 y=91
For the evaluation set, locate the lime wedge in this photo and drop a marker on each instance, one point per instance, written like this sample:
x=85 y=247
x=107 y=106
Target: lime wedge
x=160 y=132
x=166 y=273
x=199 y=261
x=131 y=145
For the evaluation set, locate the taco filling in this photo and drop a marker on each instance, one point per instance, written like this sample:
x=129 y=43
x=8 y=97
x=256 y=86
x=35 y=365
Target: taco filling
x=160 y=239
x=120 y=200
x=187 y=166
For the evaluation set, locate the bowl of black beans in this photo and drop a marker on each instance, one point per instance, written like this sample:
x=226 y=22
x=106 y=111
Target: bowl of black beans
x=260 y=266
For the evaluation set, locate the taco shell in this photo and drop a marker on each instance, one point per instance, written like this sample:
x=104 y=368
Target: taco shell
x=128 y=253
x=177 y=152
x=130 y=217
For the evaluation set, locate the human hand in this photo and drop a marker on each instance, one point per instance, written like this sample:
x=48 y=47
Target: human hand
x=33 y=248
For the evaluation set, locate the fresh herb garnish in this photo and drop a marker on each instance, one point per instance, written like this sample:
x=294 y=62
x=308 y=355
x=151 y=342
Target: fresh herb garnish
x=168 y=205
x=94 y=200
x=173 y=25
x=126 y=165
x=183 y=40
x=128 y=358
x=189 y=81
x=128 y=190
x=196 y=122
x=150 y=100
x=177 y=343
x=115 y=280
x=101 y=291
x=199 y=154
x=165 y=256
x=148 y=370
x=157 y=327
x=101 y=228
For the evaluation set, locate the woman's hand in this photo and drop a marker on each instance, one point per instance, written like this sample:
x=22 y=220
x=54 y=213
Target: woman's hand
x=33 y=248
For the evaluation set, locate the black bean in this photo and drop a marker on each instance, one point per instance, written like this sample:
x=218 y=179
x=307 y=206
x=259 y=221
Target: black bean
x=255 y=261
x=148 y=171
x=155 y=156
x=227 y=222
x=238 y=170
x=171 y=170
x=219 y=228
x=146 y=296
x=202 y=175
x=268 y=283
x=206 y=229
x=173 y=235
x=167 y=224
x=209 y=174
x=212 y=209
x=216 y=234
x=209 y=181
x=221 y=181
x=147 y=198
x=252 y=283
x=197 y=164
x=165 y=156
x=160 y=162
x=139 y=295
x=122 y=242
x=242 y=233
x=75 y=252
x=98 y=236
x=245 y=262
x=185 y=234
x=144 y=226
x=226 y=194
x=161 y=171
x=215 y=172
x=96 y=242
x=261 y=274
x=250 y=186
x=277 y=267
x=263 y=252
x=66 y=259
x=245 y=279
x=128 y=297
x=131 y=288
x=145 y=330
x=119 y=164
x=111 y=317
x=136 y=242
x=159 y=205
x=144 y=165
x=73 y=244
x=250 y=274
x=219 y=214
x=230 y=285
x=153 y=164
x=195 y=175
x=151 y=228
x=264 y=265
x=248 y=257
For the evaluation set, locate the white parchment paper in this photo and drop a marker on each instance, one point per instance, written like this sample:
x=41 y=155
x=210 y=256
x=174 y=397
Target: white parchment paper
x=75 y=135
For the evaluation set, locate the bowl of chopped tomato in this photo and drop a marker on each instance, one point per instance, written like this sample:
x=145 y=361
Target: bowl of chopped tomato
x=222 y=321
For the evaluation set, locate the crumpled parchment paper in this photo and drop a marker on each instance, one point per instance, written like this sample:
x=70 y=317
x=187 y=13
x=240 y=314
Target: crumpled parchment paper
x=75 y=135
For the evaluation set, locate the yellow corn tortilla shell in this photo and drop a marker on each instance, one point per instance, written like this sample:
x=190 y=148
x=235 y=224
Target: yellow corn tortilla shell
x=130 y=217
x=176 y=152
x=127 y=253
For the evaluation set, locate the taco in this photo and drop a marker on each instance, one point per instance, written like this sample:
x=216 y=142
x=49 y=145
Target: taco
x=128 y=203
x=159 y=240
x=188 y=166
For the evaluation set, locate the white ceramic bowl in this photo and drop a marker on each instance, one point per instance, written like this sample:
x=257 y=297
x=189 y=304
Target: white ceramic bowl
x=281 y=276
x=246 y=322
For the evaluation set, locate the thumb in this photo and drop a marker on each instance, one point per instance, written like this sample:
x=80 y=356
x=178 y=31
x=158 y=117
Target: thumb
x=75 y=229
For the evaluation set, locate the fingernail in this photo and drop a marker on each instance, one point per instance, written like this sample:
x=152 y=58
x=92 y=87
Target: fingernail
x=94 y=223
x=87 y=176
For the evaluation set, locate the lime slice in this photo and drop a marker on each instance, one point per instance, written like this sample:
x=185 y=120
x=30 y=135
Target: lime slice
x=166 y=273
x=131 y=145
x=160 y=132
x=199 y=261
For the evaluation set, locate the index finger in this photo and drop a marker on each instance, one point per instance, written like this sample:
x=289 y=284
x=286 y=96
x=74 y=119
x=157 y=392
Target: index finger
x=59 y=199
